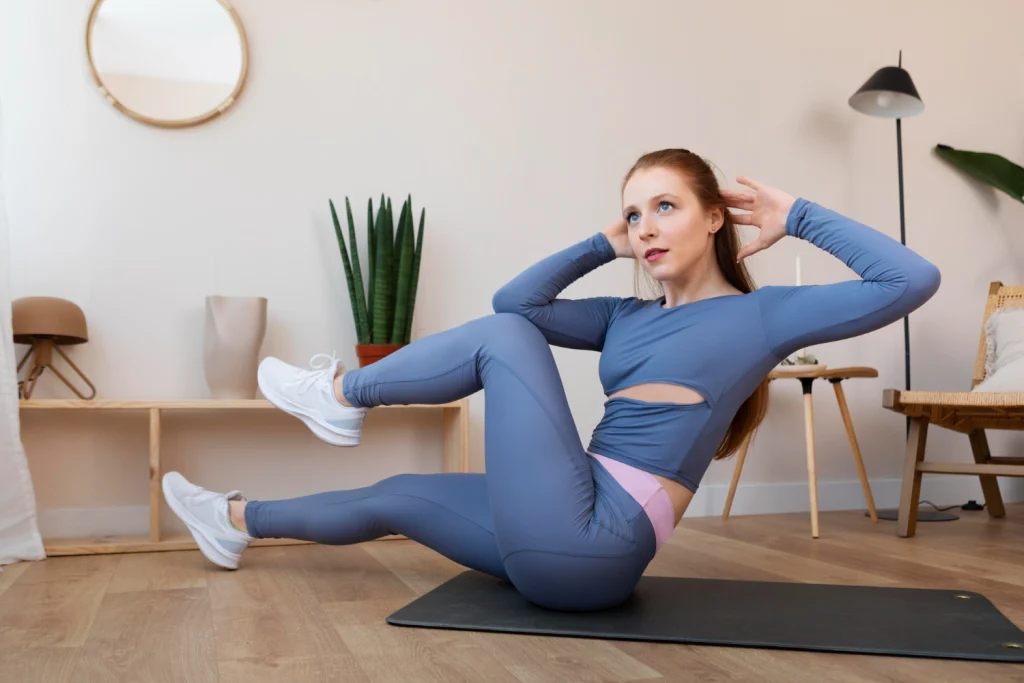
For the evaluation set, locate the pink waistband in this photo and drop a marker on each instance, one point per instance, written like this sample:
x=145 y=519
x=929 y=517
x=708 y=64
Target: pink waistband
x=646 y=490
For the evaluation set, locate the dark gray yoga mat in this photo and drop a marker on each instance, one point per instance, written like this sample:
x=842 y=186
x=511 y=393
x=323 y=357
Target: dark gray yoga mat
x=910 y=622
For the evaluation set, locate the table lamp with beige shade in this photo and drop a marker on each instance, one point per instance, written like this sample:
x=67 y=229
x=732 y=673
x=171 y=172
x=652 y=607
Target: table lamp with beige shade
x=47 y=324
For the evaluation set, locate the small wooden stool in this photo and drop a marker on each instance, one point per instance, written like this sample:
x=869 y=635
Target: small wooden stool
x=807 y=377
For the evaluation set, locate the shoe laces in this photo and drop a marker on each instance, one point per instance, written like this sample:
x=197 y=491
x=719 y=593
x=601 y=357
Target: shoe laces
x=321 y=366
x=199 y=490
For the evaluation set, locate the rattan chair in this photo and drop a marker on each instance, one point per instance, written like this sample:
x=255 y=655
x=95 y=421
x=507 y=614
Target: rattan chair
x=968 y=412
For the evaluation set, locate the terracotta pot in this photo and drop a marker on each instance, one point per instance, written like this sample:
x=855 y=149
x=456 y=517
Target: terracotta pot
x=371 y=353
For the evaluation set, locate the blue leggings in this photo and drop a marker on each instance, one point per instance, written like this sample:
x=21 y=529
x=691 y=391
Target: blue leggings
x=545 y=516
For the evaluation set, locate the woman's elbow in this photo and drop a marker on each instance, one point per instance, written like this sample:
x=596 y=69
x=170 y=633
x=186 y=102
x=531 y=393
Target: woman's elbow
x=922 y=282
x=505 y=301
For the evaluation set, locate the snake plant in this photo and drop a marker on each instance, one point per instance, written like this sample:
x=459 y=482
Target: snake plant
x=383 y=310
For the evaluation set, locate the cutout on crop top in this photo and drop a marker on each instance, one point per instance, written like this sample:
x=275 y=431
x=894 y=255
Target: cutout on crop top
x=661 y=392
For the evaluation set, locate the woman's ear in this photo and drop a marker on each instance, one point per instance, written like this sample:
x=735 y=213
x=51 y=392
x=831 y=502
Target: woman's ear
x=717 y=219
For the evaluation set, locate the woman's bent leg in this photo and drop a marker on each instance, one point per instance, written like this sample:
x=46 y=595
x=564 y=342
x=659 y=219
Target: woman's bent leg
x=568 y=536
x=539 y=476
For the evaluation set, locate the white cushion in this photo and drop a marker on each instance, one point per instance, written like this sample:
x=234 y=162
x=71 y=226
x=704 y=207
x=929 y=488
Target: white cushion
x=1004 y=359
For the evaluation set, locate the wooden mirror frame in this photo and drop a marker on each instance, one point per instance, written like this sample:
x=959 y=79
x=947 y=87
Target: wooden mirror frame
x=171 y=123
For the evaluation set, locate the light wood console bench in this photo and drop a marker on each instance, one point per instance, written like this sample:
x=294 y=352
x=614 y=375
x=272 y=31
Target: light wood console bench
x=454 y=423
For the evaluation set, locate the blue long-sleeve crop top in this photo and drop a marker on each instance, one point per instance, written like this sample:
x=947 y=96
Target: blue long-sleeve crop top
x=721 y=347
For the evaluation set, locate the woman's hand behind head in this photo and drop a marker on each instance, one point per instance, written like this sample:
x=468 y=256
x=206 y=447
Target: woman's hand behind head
x=769 y=208
x=618 y=235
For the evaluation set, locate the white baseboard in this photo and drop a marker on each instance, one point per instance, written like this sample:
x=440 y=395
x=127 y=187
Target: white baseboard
x=750 y=499
x=128 y=520
x=759 y=499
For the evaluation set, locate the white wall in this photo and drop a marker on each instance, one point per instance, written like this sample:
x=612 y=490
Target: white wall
x=512 y=123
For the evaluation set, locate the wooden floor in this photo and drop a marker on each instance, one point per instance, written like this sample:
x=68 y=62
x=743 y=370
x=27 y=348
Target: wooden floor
x=316 y=613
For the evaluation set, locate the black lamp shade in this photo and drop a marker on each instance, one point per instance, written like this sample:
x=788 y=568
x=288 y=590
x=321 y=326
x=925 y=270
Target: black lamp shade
x=889 y=93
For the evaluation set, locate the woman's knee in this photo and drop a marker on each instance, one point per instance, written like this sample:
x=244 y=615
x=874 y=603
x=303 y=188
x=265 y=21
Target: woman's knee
x=509 y=335
x=511 y=326
x=400 y=484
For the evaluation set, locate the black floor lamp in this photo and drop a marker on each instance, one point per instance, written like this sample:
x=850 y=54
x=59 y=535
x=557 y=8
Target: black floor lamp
x=890 y=94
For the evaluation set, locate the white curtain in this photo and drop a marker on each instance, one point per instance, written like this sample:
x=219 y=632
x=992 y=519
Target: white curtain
x=19 y=533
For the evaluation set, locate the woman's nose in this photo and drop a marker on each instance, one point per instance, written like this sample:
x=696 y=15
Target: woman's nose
x=646 y=226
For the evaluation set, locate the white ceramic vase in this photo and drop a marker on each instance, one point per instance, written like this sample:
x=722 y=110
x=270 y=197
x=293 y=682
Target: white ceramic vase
x=233 y=335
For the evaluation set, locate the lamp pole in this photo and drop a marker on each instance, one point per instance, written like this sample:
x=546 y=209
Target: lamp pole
x=903 y=241
x=890 y=93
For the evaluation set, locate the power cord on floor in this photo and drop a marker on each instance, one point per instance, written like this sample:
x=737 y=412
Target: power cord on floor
x=948 y=507
x=969 y=505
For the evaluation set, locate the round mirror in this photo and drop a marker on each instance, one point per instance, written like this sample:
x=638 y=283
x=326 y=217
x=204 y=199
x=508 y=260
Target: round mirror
x=171 y=63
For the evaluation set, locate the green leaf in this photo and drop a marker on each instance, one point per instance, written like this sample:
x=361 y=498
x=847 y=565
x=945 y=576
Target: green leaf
x=415 y=278
x=378 y=310
x=371 y=261
x=360 y=311
x=348 y=266
x=391 y=278
x=382 y=302
x=992 y=169
x=400 y=229
x=406 y=245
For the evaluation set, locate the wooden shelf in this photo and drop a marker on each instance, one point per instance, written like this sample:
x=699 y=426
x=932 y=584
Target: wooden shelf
x=102 y=545
x=454 y=421
x=191 y=404
x=108 y=545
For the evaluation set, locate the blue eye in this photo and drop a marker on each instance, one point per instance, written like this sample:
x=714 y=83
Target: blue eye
x=632 y=217
x=665 y=206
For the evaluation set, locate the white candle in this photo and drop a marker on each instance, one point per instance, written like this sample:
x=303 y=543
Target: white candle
x=801 y=352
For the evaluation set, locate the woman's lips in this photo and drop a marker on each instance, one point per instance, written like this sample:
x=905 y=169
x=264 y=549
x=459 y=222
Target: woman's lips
x=655 y=254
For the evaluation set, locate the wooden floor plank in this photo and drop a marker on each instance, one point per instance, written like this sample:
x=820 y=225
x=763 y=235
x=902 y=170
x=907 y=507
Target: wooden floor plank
x=329 y=669
x=158 y=571
x=390 y=653
x=740 y=553
x=688 y=559
x=11 y=573
x=348 y=574
x=43 y=664
x=700 y=664
x=544 y=659
x=159 y=635
x=54 y=602
x=266 y=615
x=63 y=570
x=420 y=569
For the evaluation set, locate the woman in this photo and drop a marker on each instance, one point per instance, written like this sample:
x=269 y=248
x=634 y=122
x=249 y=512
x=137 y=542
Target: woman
x=574 y=528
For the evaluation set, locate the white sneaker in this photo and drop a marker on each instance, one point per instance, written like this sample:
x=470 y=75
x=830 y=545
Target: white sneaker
x=309 y=396
x=205 y=513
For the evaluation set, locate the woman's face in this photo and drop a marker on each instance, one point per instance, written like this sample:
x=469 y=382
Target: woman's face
x=668 y=228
